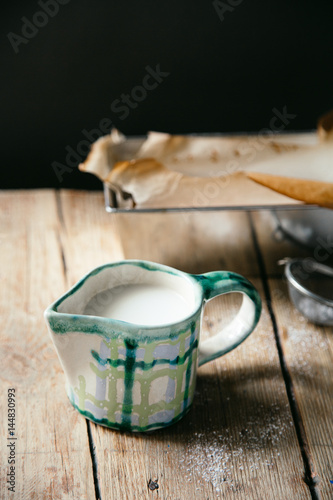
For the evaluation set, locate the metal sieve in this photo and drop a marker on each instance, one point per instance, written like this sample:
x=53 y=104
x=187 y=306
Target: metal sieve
x=310 y=287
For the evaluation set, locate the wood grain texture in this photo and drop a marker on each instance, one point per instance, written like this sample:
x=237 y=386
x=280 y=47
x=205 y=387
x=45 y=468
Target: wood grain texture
x=52 y=451
x=308 y=353
x=89 y=235
x=238 y=440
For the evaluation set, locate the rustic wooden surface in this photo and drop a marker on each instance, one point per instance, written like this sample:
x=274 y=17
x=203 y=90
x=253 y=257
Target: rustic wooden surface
x=307 y=352
x=52 y=448
x=261 y=423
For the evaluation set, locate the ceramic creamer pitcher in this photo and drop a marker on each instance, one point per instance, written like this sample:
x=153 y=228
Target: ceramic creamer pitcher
x=138 y=377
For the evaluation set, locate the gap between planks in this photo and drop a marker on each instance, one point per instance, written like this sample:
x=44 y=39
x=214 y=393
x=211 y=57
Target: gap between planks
x=311 y=478
x=61 y=230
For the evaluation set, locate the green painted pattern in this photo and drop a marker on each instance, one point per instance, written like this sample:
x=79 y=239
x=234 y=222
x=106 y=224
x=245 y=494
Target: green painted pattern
x=180 y=369
x=62 y=323
x=221 y=282
x=127 y=407
x=189 y=368
x=136 y=428
x=142 y=365
x=81 y=391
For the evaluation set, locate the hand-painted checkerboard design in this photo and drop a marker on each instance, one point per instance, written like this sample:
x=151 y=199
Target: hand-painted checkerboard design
x=140 y=387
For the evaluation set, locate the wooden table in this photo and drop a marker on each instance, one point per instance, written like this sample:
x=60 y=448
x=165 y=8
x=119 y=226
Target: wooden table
x=261 y=425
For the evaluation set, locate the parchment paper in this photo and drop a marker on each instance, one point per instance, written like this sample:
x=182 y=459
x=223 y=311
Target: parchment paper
x=166 y=171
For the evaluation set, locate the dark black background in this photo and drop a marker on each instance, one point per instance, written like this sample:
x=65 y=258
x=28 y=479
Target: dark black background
x=225 y=75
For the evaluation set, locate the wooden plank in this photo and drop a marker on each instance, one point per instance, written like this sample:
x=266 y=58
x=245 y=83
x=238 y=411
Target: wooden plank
x=52 y=458
x=239 y=438
x=308 y=353
x=89 y=235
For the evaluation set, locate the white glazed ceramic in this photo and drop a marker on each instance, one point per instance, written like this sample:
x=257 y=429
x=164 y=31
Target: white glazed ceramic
x=137 y=377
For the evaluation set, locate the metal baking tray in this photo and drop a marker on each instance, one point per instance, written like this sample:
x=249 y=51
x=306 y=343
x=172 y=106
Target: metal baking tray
x=115 y=202
x=120 y=201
